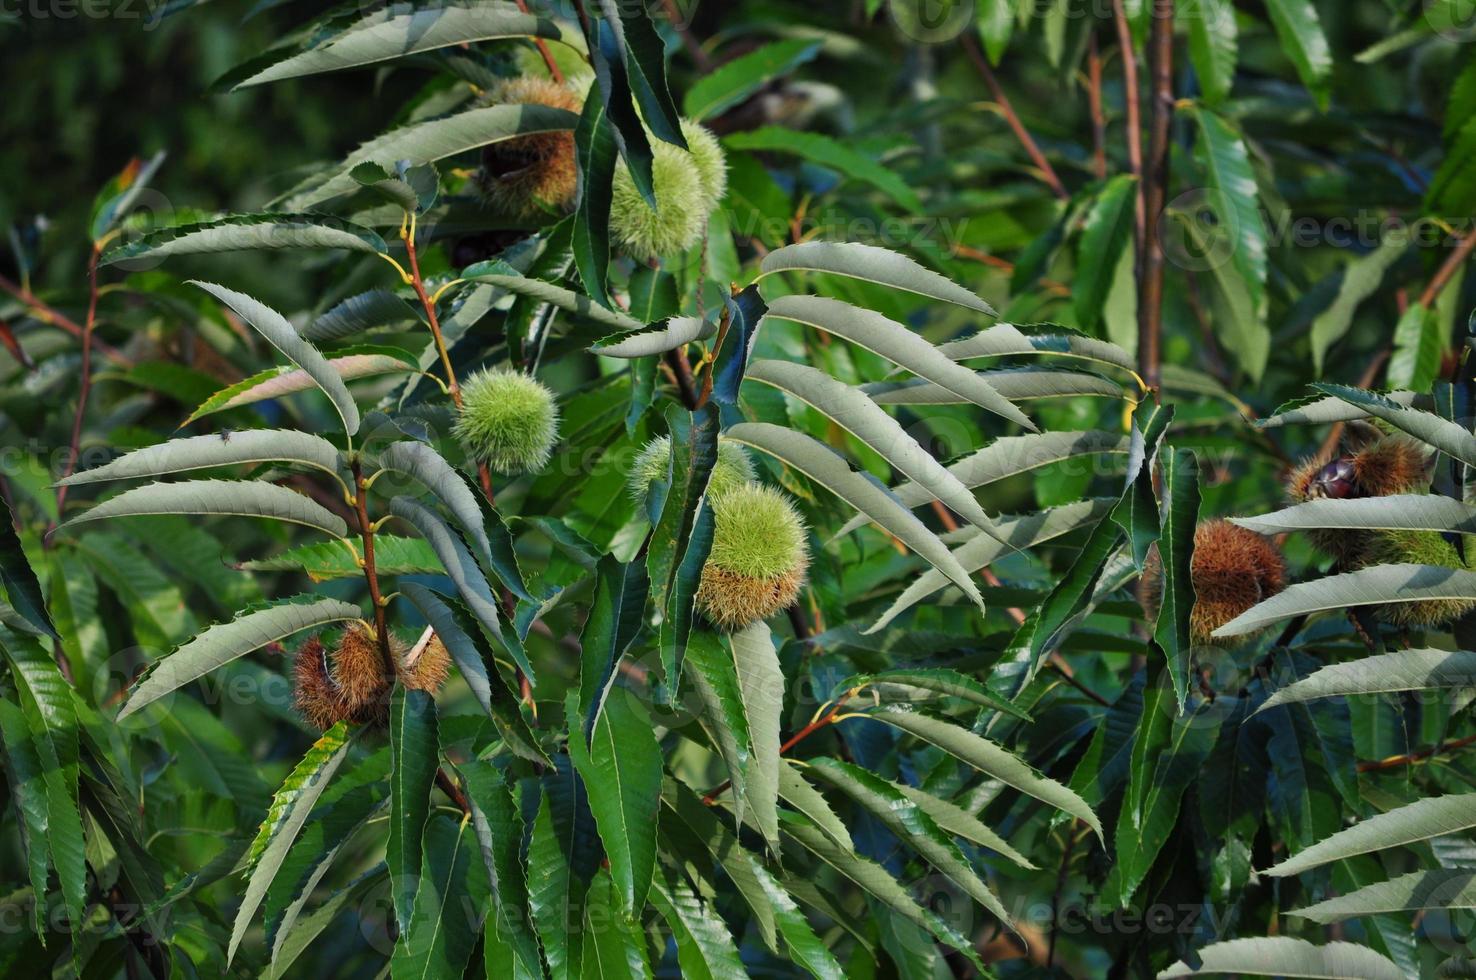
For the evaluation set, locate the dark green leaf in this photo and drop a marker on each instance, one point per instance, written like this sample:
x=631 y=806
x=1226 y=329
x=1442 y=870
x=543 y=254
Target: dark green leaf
x=414 y=758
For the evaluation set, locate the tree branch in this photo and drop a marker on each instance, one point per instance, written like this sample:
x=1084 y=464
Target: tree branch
x=542 y=45
x=1007 y=109
x=418 y=283
x=49 y=314
x=1447 y=271
x=1155 y=181
x=1130 y=106
x=371 y=575
x=1094 y=100
x=85 y=384
x=1408 y=759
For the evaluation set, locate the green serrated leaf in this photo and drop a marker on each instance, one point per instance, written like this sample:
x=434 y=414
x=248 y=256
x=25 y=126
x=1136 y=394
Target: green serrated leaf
x=413 y=761
x=220 y=644
x=250 y=232
x=621 y=767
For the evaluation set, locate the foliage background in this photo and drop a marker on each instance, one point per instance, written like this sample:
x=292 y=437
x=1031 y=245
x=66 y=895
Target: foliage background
x=1358 y=143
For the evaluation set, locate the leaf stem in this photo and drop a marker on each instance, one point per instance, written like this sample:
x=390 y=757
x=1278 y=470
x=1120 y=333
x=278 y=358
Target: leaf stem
x=74 y=447
x=371 y=574
x=1094 y=100
x=548 y=59
x=1447 y=271
x=1410 y=758
x=814 y=726
x=407 y=234
x=724 y=322
x=1155 y=196
x=449 y=787
x=50 y=315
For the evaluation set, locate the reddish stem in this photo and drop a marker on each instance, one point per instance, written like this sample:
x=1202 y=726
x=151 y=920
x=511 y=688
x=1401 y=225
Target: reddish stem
x=484 y=475
x=75 y=446
x=1007 y=109
x=798 y=737
x=1394 y=762
x=1156 y=179
x=371 y=574
x=1447 y=271
x=1134 y=120
x=49 y=314
x=548 y=58
x=1099 y=118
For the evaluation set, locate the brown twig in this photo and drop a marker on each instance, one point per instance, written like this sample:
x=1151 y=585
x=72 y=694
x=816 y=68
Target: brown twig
x=814 y=726
x=1408 y=759
x=1156 y=178
x=1064 y=669
x=418 y=284
x=85 y=384
x=681 y=370
x=449 y=787
x=700 y=57
x=371 y=574
x=1094 y=100
x=548 y=58
x=484 y=474
x=1134 y=121
x=7 y=337
x=1370 y=374
x=1447 y=271
x=1007 y=109
x=1005 y=266
x=48 y=314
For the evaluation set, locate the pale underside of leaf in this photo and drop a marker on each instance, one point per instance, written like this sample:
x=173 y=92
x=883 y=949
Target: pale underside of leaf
x=982 y=549
x=1444 y=888
x=678 y=331
x=990 y=758
x=872 y=264
x=402 y=30
x=275 y=383
x=1379 y=585
x=823 y=465
x=1389 y=673
x=283 y=336
x=895 y=342
x=868 y=422
x=226 y=449
x=1010 y=456
x=426 y=142
x=1016 y=384
x=1283 y=956
x=220 y=644
x=1433 y=816
x=564 y=299
x=1403 y=512
x=240 y=498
